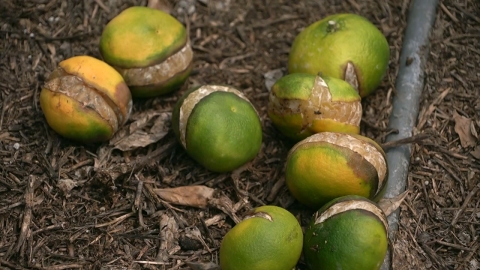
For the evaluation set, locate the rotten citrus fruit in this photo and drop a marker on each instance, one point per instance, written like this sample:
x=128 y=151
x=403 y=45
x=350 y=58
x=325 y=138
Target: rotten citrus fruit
x=349 y=232
x=150 y=48
x=270 y=238
x=218 y=127
x=344 y=46
x=85 y=99
x=302 y=104
x=328 y=165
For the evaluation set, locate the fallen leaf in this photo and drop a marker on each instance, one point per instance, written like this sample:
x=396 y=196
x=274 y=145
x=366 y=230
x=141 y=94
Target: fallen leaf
x=476 y=153
x=389 y=205
x=66 y=185
x=140 y=134
x=195 y=196
x=463 y=129
x=168 y=232
x=226 y=205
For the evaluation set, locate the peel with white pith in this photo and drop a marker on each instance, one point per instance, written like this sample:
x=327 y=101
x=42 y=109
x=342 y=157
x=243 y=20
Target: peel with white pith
x=150 y=48
x=328 y=165
x=85 y=99
x=349 y=232
x=303 y=104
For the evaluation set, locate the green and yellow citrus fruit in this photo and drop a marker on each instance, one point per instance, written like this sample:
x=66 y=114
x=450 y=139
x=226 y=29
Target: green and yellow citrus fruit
x=344 y=46
x=349 y=232
x=328 y=165
x=268 y=239
x=150 y=48
x=218 y=127
x=302 y=104
x=85 y=99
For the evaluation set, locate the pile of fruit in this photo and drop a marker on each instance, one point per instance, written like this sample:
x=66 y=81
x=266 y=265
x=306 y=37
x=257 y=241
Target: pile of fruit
x=332 y=169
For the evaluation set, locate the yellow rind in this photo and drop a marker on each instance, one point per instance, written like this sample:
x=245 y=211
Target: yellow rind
x=104 y=78
x=141 y=36
x=72 y=120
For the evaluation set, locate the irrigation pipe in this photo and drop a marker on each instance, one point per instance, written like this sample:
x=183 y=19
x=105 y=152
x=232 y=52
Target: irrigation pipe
x=409 y=86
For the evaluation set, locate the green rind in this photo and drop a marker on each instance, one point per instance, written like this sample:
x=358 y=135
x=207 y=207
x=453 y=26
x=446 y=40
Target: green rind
x=274 y=243
x=223 y=132
x=355 y=239
x=314 y=45
x=294 y=86
x=292 y=132
x=341 y=90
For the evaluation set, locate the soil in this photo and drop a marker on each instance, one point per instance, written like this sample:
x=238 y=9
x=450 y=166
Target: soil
x=66 y=205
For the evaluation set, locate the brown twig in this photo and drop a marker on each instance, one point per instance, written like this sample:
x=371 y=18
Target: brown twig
x=465 y=203
x=413 y=139
x=27 y=216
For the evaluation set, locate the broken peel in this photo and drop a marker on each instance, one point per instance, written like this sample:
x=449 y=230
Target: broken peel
x=218 y=127
x=85 y=99
x=328 y=165
x=354 y=228
x=150 y=48
x=268 y=238
x=302 y=104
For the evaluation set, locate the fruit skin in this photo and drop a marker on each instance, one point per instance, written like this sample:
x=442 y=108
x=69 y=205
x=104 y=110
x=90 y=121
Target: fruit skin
x=150 y=48
x=223 y=131
x=298 y=106
x=353 y=239
x=259 y=244
x=325 y=48
x=85 y=100
x=328 y=165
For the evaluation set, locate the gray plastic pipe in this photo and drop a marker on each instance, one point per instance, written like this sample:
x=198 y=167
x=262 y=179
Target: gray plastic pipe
x=409 y=86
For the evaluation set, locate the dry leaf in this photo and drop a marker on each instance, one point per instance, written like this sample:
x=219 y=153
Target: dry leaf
x=476 y=153
x=140 y=135
x=226 y=205
x=195 y=196
x=389 y=205
x=168 y=232
x=66 y=185
x=462 y=128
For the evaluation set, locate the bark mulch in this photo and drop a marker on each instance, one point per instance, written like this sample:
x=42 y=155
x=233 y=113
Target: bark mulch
x=64 y=205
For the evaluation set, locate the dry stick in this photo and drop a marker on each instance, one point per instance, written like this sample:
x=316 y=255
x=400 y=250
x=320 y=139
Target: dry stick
x=27 y=216
x=276 y=189
x=427 y=198
x=465 y=203
x=11 y=265
x=66 y=266
x=454 y=175
x=469 y=256
x=453 y=245
x=413 y=139
x=115 y=221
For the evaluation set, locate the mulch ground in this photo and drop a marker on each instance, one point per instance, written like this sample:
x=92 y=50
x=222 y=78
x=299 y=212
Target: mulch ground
x=64 y=205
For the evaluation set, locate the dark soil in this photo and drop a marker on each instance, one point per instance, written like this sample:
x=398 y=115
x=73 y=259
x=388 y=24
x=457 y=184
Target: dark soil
x=64 y=205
